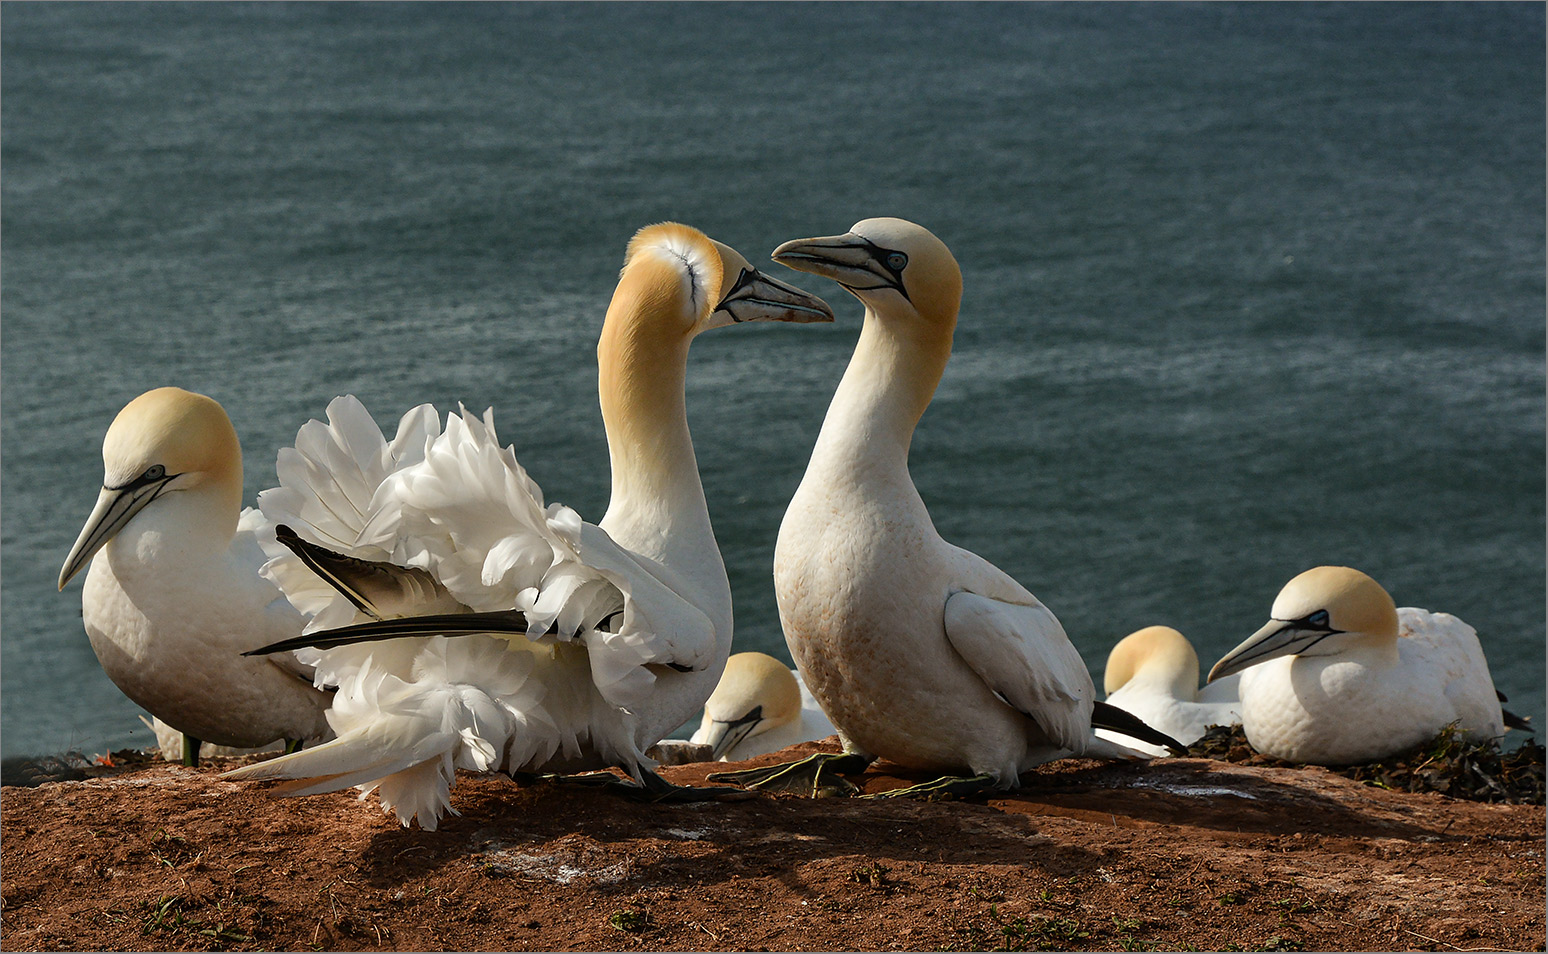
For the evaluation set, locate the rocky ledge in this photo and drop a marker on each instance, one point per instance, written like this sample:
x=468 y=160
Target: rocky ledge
x=1177 y=854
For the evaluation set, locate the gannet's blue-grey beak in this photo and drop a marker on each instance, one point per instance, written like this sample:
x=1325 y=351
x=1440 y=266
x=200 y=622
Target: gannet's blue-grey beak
x=757 y=297
x=116 y=506
x=724 y=736
x=853 y=261
x=1277 y=638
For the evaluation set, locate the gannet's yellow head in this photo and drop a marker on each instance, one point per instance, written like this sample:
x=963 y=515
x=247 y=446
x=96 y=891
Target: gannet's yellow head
x=1321 y=612
x=892 y=265
x=677 y=282
x=164 y=441
x=1161 y=654
x=756 y=693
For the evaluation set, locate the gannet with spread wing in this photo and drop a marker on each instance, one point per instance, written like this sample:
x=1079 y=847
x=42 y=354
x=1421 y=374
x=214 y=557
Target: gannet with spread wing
x=586 y=643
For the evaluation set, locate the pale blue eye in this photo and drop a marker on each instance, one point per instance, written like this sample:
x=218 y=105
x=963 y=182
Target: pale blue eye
x=155 y=472
x=1319 y=618
x=896 y=261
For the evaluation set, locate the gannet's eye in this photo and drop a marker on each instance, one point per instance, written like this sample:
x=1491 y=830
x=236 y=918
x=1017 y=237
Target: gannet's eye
x=1319 y=618
x=154 y=472
x=896 y=261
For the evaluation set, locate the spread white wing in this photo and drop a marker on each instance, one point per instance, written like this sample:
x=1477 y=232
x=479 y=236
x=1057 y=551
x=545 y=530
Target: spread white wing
x=455 y=504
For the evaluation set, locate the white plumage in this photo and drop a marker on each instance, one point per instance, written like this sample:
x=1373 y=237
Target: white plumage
x=174 y=596
x=919 y=651
x=1153 y=673
x=1340 y=675
x=605 y=636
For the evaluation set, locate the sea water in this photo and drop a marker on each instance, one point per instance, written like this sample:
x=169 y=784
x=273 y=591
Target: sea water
x=1249 y=288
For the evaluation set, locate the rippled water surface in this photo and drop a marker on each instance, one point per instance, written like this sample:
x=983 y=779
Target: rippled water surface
x=1248 y=288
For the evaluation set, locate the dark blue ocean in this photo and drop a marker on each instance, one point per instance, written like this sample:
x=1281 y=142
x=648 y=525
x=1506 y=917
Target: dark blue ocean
x=1249 y=288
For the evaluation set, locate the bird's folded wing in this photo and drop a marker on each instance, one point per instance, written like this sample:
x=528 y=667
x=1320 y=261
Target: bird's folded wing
x=659 y=626
x=1022 y=653
x=1448 y=648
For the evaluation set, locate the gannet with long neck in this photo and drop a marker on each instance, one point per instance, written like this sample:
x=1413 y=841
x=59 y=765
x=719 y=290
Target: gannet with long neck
x=919 y=651
x=174 y=596
x=1340 y=675
x=587 y=642
x=759 y=707
x=1153 y=674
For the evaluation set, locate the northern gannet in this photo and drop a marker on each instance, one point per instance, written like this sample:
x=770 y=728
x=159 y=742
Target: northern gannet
x=174 y=596
x=759 y=707
x=1153 y=674
x=587 y=642
x=919 y=651
x=1340 y=675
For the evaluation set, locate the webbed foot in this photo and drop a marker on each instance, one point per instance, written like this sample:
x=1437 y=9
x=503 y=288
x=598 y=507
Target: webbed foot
x=654 y=789
x=949 y=786
x=816 y=776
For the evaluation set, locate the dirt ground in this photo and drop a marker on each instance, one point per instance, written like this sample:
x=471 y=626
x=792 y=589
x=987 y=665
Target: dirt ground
x=1179 y=854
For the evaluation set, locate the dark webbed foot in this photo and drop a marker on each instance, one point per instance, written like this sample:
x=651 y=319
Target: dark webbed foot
x=816 y=776
x=191 y=747
x=949 y=786
x=654 y=789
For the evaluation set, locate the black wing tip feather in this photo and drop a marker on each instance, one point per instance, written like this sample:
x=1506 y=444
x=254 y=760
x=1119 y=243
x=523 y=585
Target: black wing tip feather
x=1114 y=719
x=1513 y=721
x=447 y=624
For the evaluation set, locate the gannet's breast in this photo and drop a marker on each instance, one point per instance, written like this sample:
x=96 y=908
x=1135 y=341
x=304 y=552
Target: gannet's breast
x=169 y=626
x=861 y=588
x=1346 y=709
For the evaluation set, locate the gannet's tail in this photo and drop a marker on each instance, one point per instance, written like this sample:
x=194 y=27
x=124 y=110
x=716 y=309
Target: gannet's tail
x=474 y=708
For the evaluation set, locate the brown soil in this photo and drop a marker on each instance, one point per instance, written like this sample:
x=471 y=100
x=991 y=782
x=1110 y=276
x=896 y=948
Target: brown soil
x=1175 y=854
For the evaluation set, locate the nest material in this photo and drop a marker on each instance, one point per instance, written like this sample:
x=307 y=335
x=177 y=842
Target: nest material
x=1449 y=764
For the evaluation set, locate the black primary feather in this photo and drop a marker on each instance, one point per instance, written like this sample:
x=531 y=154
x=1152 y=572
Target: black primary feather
x=1114 y=719
x=1513 y=721
x=444 y=624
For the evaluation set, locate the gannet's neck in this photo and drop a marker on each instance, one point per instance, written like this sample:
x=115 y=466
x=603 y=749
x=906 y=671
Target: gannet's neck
x=657 y=507
x=216 y=504
x=898 y=363
x=182 y=536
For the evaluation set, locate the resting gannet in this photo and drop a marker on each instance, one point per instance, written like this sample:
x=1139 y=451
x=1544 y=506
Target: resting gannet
x=174 y=595
x=759 y=707
x=1339 y=675
x=1153 y=673
x=586 y=643
x=919 y=651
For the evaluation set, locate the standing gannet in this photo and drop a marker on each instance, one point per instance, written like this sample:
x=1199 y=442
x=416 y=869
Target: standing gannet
x=1153 y=674
x=587 y=642
x=759 y=707
x=1339 y=675
x=174 y=596
x=919 y=651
